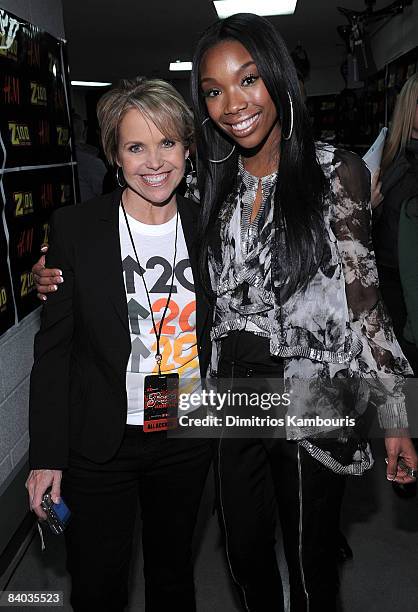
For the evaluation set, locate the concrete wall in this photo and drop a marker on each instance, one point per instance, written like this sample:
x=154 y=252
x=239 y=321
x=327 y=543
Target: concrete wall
x=16 y=345
x=16 y=350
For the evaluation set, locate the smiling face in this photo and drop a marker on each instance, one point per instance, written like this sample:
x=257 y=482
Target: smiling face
x=236 y=98
x=153 y=165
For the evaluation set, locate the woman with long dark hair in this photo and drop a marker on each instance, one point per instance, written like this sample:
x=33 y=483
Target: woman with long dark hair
x=286 y=256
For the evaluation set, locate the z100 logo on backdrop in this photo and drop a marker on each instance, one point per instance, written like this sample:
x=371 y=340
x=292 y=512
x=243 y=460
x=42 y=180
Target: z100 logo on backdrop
x=24 y=203
x=19 y=134
x=35 y=125
x=31 y=197
x=35 y=161
x=38 y=95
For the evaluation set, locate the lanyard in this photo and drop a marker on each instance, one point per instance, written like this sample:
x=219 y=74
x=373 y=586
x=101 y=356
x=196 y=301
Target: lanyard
x=158 y=356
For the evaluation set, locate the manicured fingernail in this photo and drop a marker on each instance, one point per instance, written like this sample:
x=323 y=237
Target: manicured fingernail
x=43 y=298
x=54 y=287
x=43 y=249
x=59 y=280
x=390 y=477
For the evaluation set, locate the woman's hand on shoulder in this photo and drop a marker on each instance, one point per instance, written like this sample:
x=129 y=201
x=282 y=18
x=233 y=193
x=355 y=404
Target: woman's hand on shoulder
x=46 y=279
x=37 y=483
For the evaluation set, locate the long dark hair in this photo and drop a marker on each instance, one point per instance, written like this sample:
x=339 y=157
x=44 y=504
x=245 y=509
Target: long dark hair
x=299 y=196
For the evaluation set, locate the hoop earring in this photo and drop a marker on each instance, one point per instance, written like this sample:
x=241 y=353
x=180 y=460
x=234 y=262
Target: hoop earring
x=291 y=118
x=190 y=175
x=219 y=161
x=119 y=182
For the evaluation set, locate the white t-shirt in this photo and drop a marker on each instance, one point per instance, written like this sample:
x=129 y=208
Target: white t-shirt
x=178 y=345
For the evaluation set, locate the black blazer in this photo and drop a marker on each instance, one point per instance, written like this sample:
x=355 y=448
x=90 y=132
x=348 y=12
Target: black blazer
x=78 y=381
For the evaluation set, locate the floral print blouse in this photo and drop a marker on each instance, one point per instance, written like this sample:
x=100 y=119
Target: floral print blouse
x=336 y=327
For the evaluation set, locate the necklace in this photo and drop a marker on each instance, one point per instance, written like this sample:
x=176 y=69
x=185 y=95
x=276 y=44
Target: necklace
x=158 y=356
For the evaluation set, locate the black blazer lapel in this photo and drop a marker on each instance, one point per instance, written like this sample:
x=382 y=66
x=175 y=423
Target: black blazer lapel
x=112 y=258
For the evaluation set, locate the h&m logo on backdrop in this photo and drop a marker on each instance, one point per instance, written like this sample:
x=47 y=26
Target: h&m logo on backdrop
x=19 y=134
x=25 y=242
x=47 y=197
x=11 y=89
x=38 y=94
x=44 y=132
x=24 y=203
x=34 y=53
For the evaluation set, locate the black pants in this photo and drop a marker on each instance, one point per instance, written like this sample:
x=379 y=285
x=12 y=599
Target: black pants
x=169 y=476
x=257 y=477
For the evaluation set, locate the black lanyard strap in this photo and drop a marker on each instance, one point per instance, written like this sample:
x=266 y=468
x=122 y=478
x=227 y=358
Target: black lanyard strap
x=158 y=356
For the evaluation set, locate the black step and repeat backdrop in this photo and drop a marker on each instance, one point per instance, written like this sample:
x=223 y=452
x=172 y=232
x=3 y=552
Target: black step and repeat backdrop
x=37 y=167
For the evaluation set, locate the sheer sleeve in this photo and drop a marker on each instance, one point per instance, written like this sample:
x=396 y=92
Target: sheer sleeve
x=381 y=361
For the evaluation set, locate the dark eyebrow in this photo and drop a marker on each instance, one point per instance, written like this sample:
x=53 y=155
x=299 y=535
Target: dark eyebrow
x=132 y=142
x=141 y=144
x=243 y=67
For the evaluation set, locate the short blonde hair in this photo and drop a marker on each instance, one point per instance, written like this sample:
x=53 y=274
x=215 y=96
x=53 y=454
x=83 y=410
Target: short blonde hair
x=155 y=99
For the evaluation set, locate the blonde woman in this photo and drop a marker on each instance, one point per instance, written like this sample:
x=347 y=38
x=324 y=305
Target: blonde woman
x=126 y=309
x=399 y=175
